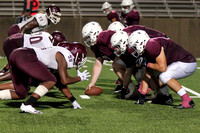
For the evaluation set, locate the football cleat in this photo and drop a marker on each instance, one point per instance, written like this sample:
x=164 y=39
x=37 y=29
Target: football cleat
x=141 y=100
x=29 y=109
x=118 y=89
x=163 y=99
x=180 y=106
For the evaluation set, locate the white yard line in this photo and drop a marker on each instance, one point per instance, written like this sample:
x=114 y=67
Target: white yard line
x=197 y=95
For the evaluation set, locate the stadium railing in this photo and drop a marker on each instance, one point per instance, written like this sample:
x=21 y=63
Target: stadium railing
x=146 y=8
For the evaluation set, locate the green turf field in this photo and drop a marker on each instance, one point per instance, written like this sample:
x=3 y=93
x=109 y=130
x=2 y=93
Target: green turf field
x=101 y=114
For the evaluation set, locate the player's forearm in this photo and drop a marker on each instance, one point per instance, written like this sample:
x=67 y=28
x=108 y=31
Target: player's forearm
x=157 y=67
x=96 y=71
x=71 y=80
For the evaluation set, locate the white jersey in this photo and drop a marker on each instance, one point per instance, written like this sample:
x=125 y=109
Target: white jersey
x=41 y=19
x=48 y=56
x=38 y=39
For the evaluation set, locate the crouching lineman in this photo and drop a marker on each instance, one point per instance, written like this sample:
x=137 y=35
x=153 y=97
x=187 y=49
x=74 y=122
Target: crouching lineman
x=99 y=42
x=119 y=42
x=165 y=56
x=34 y=63
x=39 y=40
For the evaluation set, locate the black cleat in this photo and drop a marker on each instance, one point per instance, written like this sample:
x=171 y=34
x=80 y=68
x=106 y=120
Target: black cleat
x=180 y=106
x=163 y=99
x=141 y=100
x=118 y=89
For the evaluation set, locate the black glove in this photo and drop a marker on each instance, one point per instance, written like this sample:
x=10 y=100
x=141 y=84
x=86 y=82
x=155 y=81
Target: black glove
x=141 y=61
x=141 y=100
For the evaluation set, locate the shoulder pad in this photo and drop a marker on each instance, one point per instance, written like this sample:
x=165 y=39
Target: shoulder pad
x=41 y=19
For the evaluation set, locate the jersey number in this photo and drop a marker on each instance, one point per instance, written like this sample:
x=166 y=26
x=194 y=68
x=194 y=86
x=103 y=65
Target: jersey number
x=35 y=39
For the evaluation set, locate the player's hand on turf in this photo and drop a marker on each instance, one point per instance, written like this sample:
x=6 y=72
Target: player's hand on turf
x=141 y=61
x=83 y=75
x=89 y=86
x=76 y=105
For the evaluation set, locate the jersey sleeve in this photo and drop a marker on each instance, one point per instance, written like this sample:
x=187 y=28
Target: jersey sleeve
x=153 y=48
x=41 y=19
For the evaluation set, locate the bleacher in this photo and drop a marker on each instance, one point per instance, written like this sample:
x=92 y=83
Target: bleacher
x=146 y=8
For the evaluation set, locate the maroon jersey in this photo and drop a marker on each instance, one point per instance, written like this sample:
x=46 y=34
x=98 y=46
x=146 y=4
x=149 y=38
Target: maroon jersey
x=131 y=18
x=151 y=32
x=113 y=14
x=103 y=46
x=173 y=51
x=12 y=42
x=13 y=30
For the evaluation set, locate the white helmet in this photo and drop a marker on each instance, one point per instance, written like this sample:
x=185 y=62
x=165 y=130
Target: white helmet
x=90 y=32
x=119 y=42
x=127 y=3
x=138 y=40
x=108 y=6
x=116 y=26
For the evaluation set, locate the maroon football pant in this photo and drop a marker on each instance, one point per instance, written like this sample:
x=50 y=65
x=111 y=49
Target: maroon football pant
x=13 y=42
x=24 y=65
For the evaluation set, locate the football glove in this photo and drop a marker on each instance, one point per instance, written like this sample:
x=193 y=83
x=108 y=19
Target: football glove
x=83 y=75
x=76 y=105
x=141 y=61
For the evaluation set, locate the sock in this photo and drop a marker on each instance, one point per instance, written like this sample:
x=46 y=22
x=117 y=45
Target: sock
x=140 y=90
x=31 y=100
x=181 y=92
x=72 y=99
x=185 y=100
x=164 y=91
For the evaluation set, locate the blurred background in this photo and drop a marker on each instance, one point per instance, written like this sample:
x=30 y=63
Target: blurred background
x=178 y=19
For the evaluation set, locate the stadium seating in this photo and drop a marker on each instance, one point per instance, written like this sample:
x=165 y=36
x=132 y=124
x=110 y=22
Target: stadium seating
x=147 y=8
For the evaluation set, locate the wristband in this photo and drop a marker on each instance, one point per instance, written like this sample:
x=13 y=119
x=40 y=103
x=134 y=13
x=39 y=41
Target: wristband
x=148 y=65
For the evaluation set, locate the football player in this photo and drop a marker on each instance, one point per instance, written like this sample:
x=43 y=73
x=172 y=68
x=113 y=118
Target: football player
x=112 y=15
x=39 y=39
x=99 y=43
x=167 y=57
x=58 y=37
x=119 y=44
x=33 y=63
x=116 y=26
x=130 y=16
x=38 y=22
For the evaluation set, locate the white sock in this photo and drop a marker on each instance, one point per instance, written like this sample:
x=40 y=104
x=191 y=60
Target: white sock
x=181 y=92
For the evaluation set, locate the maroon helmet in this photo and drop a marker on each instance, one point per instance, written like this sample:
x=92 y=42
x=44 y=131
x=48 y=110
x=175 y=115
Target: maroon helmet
x=64 y=44
x=53 y=13
x=58 y=37
x=79 y=52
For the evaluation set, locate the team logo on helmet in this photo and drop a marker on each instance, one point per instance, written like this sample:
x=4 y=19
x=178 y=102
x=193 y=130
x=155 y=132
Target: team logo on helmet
x=53 y=13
